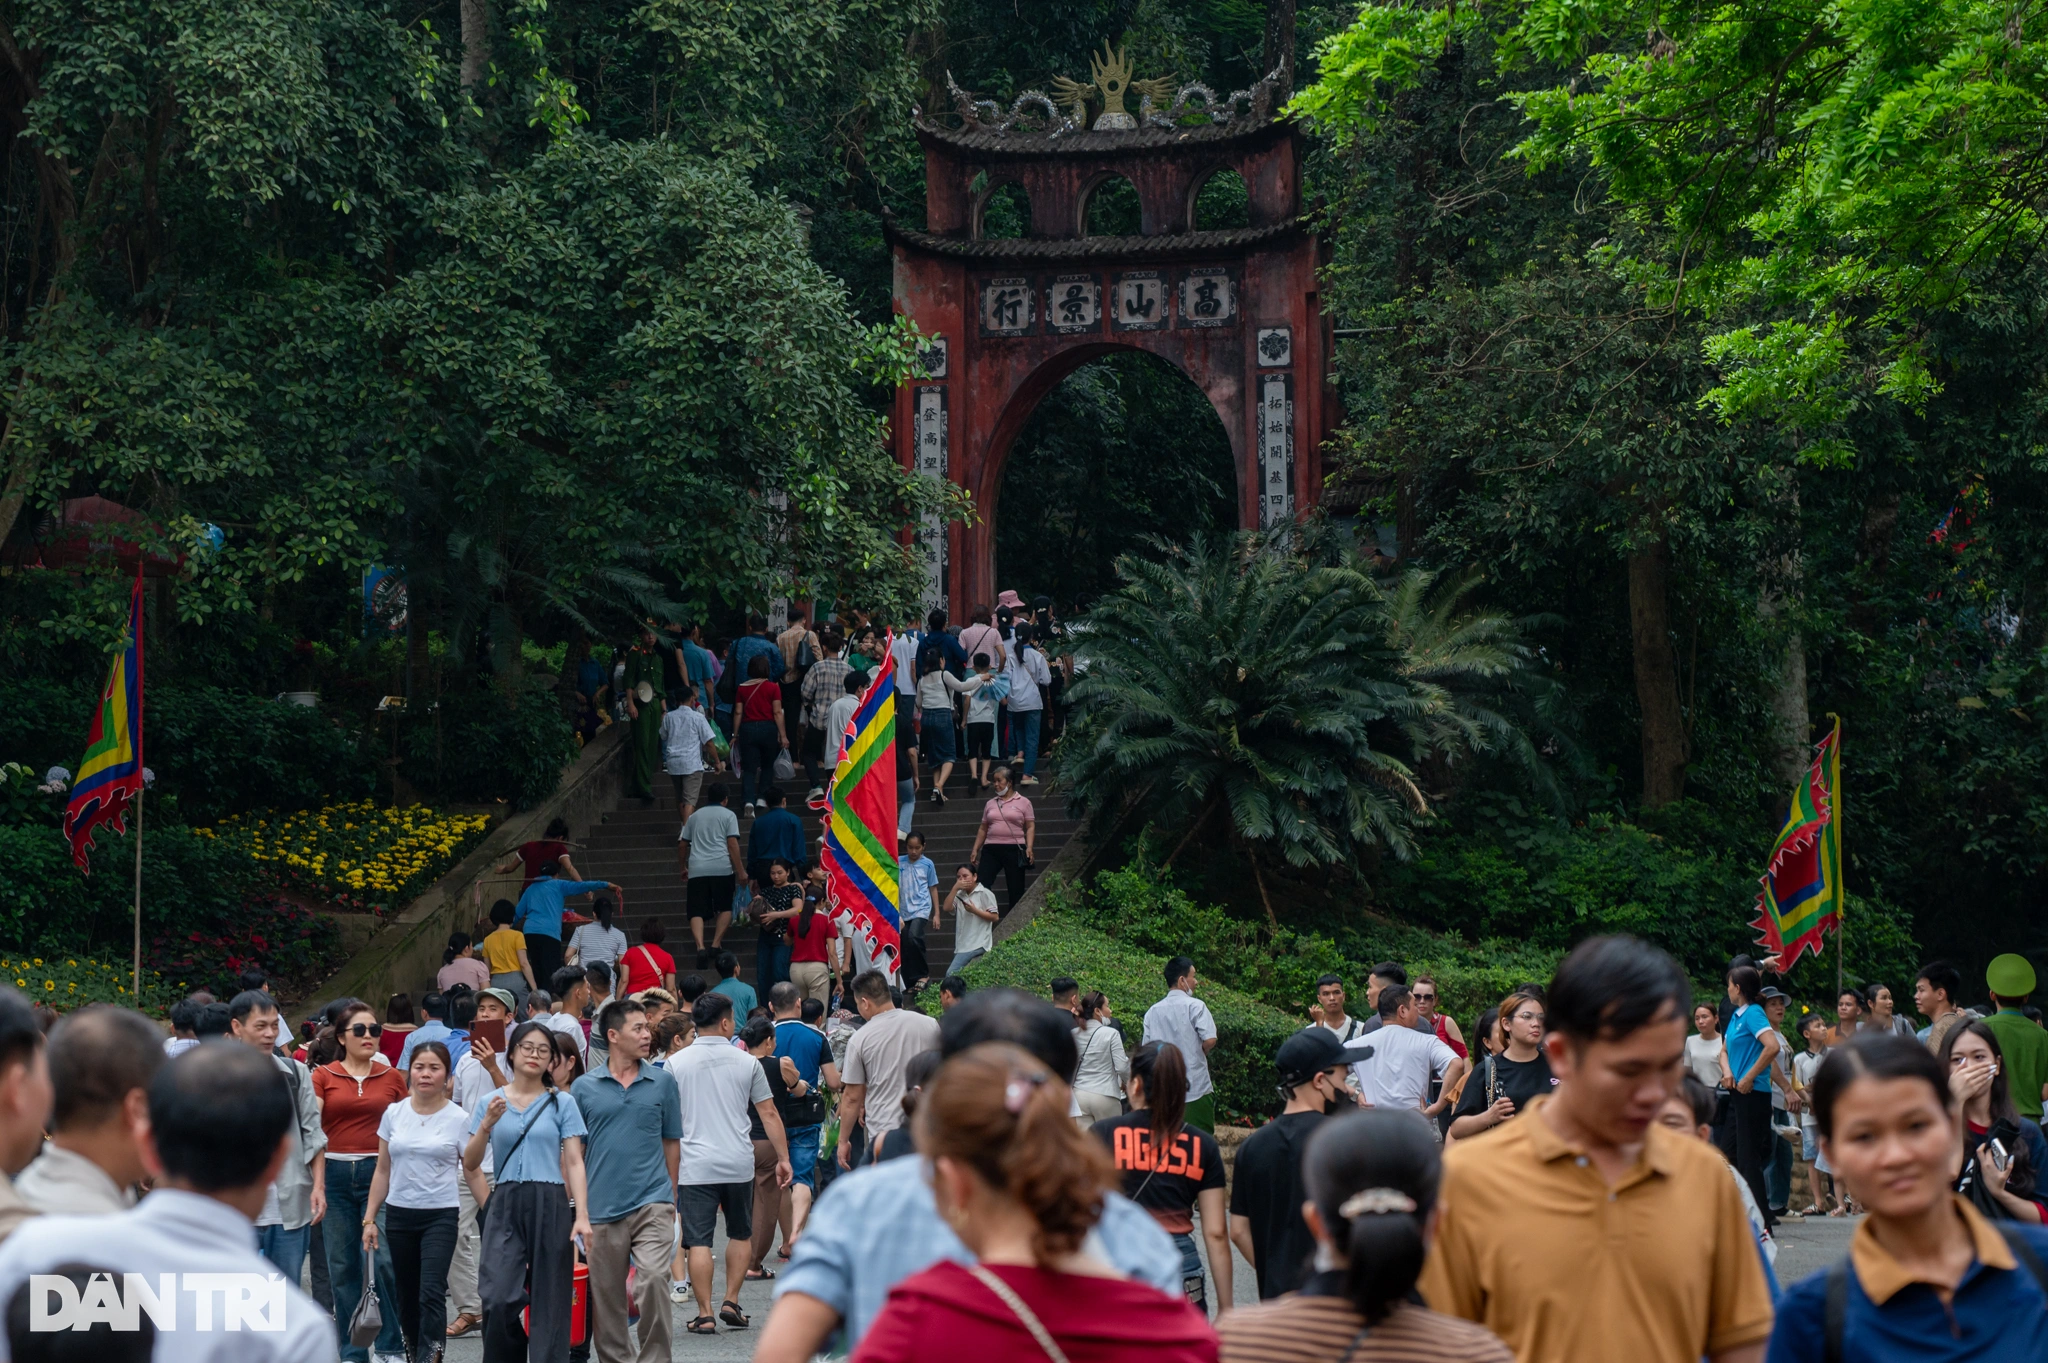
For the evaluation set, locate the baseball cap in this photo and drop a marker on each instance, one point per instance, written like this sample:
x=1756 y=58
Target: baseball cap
x=1307 y=1054
x=503 y=996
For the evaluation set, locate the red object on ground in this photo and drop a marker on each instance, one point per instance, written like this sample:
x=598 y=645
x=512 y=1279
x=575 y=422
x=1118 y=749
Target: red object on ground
x=579 y=1308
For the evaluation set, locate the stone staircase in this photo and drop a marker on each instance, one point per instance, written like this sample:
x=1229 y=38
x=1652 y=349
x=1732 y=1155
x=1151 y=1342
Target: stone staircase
x=634 y=846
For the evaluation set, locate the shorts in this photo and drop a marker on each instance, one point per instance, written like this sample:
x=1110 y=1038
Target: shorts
x=709 y=896
x=935 y=737
x=688 y=788
x=698 y=1205
x=981 y=739
x=803 y=1155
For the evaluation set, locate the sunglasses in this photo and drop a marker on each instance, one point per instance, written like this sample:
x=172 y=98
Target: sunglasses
x=367 y=1029
x=1425 y=998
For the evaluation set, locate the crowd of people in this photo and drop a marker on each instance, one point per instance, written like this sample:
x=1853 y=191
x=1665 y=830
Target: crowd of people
x=1017 y=1176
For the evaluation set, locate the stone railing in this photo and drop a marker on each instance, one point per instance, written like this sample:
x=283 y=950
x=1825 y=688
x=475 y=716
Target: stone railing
x=405 y=954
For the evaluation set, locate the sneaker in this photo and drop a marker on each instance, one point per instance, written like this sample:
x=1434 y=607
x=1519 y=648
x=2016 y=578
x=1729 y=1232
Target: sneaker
x=817 y=793
x=679 y=1293
x=1028 y=781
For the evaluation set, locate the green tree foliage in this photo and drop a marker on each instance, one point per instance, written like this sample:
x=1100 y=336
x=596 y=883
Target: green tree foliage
x=1250 y=678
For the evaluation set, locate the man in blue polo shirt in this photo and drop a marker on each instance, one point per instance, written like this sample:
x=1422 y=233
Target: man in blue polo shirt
x=802 y=1118
x=633 y=1154
x=539 y=915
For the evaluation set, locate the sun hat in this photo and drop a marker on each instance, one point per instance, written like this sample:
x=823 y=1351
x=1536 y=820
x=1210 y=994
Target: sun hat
x=1012 y=600
x=2010 y=976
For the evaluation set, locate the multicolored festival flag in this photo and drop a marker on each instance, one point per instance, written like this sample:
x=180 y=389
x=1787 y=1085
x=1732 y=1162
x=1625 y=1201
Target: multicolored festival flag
x=111 y=773
x=858 y=849
x=1802 y=882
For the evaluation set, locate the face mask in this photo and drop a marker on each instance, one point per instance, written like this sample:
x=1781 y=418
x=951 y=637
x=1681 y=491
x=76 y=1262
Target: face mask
x=1340 y=1097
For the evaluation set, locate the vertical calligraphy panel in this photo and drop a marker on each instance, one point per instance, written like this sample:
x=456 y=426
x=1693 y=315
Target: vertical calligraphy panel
x=1276 y=449
x=930 y=540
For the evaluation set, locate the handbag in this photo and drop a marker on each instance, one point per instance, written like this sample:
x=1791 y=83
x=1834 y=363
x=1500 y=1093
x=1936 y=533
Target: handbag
x=368 y=1320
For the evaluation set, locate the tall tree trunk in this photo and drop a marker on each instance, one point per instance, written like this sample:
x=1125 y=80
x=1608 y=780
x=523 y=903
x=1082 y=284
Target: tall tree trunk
x=1784 y=586
x=1649 y=611
x=476 y=43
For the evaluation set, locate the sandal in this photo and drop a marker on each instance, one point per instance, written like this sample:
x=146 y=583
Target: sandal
x=463 y=1324
x=782 y=1253
x=729 y=1312
x=703 y=1325
x=760 y=1275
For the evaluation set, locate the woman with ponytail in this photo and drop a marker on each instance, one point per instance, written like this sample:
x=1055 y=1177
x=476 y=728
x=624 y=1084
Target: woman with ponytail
x=1372 y=1182
x=1172 y=1169
x=1022 y=1186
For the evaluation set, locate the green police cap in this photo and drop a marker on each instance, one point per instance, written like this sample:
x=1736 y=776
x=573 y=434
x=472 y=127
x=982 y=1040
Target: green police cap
x=2010 y=976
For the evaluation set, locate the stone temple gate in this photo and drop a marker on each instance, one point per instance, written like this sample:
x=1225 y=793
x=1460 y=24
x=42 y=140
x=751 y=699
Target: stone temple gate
x=1236 y=310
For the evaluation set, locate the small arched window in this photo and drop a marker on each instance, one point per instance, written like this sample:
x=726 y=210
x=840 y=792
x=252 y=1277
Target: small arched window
x=1005 y=214
x=1113 y=210
x=1221 y=204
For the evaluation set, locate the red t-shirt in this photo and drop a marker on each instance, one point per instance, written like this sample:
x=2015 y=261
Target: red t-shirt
x=811 y=945
x=757 y=701
x=393 y=1041
x=945 y=1314
x=644 y=966
x=350 y=1108
x=536 y=855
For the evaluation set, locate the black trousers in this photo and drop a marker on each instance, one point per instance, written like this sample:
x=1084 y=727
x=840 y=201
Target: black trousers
x=1749 y=1119
x=544 y=954
x=915 y=965
x=525 y=1258
x=422 y=1247
x=1007 y=857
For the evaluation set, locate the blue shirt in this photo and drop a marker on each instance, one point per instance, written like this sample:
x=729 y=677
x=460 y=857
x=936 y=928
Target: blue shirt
x=752 y=646
x=919 y=878
x=875 y=1227
x=539 y=1157
x=778 y=833
x=697 y=662
x=1998 y=1315
x=804 y=1046
x=742 y=996
x=540 y=908
x=624 y=1159
x=1745 y=1033
x=433 y=1029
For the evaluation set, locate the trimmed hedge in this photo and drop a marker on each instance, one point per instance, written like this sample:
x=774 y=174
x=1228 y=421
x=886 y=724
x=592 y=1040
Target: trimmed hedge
x=1248 y=1032
x=476 y=744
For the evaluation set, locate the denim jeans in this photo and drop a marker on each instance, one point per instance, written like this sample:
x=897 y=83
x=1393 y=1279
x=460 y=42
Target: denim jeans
x=285 y=1248
x=771 y=963
x=1024 y=737
x=348 y=1193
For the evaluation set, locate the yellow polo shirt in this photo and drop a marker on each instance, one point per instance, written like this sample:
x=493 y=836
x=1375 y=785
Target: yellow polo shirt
x=1533 y=1244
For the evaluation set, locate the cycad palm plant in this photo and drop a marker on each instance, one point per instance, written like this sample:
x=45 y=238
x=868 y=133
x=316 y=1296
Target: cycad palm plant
x=1243 y=674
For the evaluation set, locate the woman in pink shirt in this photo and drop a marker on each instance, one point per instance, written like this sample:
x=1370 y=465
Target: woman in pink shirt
x=1006 y=838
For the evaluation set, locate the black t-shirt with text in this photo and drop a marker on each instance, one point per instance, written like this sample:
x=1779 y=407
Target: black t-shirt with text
x=1267 y=1191
x=1520 y=1080
x=1165 y=1183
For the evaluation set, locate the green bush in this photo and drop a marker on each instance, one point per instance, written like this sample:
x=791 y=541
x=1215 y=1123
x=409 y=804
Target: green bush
x=214 y=751
x=1141 y=906
x=475 y=744
x=1248 y=1032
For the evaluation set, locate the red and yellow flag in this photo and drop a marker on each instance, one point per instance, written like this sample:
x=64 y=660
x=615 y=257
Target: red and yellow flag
x=1802 y=882
x=111 y=773
x=858 y=850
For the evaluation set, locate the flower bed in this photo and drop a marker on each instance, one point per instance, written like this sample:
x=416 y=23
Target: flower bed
x=67 y=982
x=355 y=856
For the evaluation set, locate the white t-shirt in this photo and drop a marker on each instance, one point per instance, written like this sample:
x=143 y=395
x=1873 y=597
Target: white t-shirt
x=706 y=832
x=426 y=1153
x=904 y=651
x=969 y=932
x=684 y=732
x=1184 y=1020
x=1351 y=1028
x=1703 y=1058
x=1028 y=672
x=1805 y=1065
x=1402 y=1063
x=981 y=706
x=836 y=720
x=717 y=1084
x=567 y=1026
x=474 y=1087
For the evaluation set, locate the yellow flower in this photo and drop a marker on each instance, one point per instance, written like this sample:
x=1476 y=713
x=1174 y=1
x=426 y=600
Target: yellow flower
x=49 y=984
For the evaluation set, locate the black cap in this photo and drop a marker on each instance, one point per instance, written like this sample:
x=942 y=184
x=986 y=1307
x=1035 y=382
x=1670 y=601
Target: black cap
x=1307 y=1054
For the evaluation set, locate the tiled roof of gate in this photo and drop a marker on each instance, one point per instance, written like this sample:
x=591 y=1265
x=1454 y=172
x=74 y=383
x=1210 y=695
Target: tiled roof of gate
x=1097 y=143
x=1090 y=248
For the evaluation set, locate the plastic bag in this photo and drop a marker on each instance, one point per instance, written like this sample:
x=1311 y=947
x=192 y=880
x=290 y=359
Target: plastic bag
x=785 y=769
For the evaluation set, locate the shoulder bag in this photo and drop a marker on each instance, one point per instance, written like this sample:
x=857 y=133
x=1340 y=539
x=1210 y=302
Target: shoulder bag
x=502 y=1165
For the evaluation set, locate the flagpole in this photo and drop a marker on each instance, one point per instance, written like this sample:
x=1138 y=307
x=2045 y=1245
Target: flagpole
x=136 y=991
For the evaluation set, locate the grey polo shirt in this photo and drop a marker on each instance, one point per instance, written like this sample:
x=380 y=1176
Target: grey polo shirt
x=623 y=1157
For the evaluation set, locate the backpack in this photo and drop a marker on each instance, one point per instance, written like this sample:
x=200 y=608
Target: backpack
x=1836 y=1312
x=728 y=688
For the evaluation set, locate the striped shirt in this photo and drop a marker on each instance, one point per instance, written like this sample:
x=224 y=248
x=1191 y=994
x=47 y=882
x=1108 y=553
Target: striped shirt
x=1304 y=1328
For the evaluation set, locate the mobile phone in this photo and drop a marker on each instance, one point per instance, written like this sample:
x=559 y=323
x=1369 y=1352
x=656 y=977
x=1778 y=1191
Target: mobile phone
x=492 y=1031
x=1999 y=1156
